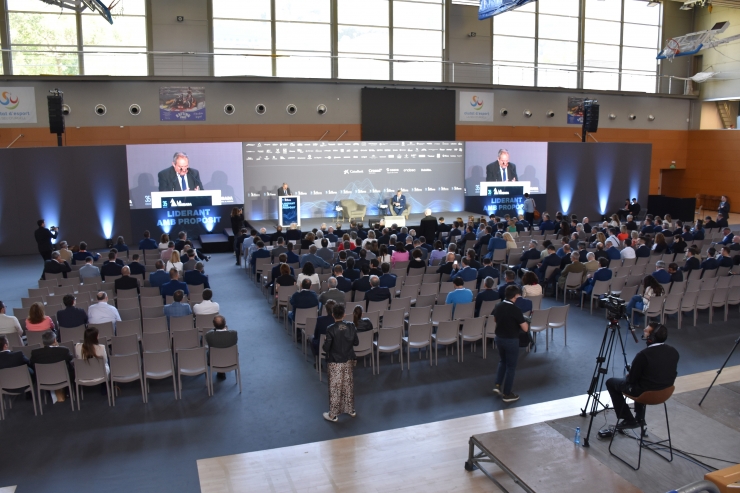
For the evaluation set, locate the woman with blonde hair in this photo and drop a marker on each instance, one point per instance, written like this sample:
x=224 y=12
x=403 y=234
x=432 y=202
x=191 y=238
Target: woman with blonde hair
x=600 y=238
x=174 y=262
x=510 y=243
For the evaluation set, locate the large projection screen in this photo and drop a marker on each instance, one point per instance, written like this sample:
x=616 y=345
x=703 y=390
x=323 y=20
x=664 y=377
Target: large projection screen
x=430 y=174
x=528 y=158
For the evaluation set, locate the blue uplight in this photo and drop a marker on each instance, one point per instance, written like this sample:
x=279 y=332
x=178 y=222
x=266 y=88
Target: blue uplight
x=566 y=188
x=604 y=177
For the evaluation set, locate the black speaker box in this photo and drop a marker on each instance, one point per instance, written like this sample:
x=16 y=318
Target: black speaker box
x=56 y=118
x=591 y=117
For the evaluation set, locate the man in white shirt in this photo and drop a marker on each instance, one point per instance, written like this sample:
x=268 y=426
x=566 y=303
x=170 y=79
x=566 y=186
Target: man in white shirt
x=101 y=312
x=206 y=307
x=628 y=251
x=9 y=323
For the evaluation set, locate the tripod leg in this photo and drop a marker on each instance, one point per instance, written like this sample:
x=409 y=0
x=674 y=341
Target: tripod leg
x=737 y=341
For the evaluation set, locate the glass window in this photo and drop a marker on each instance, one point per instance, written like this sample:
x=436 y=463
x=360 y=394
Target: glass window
x=241 y=9
x=557 y=52
x=426 y=70
x=298 y=36
x=302 y=10
x=417 y=43
x=307 y=65
x=125 y=31
x=556 y=27
x=550 y=76
x=417 y=15
x=359 y=39
x=239 y=62
x=53 y=34
x=514 y=23
x=608 y=10
x=638 y=82
x=641 y=13
x=605 y=56
x=102 y=63
x=512 y=74
x=241 y=34
x=602 y=32
x=360 y=67
x=641 y=36
x=366 y=12
x=513 y=49
x=559 y=7
x=639 y=59
x=603 y=81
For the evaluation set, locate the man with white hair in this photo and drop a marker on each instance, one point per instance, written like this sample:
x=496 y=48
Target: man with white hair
x=586 y=225
x=501 y=169
x=631 y=224
x=428 y=225
x=332 y=293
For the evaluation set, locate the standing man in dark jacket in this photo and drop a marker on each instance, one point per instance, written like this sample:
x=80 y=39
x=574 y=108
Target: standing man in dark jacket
x=44 y=237
x=341 y=338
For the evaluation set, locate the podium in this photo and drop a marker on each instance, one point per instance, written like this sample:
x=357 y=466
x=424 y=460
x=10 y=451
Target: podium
x=289 y=207
x=188 y=198
x=504 y=197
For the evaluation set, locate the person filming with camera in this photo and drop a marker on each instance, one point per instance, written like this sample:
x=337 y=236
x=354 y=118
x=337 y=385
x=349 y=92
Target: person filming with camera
x=43 y=238
x=653 y=368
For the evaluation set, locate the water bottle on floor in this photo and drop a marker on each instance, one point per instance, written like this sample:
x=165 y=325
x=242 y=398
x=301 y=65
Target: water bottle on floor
x=577 y=439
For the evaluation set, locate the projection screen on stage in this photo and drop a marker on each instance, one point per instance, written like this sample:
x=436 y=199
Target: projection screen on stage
x=528 y=158
x=430 y=174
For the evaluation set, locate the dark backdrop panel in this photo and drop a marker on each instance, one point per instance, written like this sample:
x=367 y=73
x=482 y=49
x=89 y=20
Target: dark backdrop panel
x=478 y=204
x=408 y=114
x=678 y=208
x=83 y=190
x=195 y=221
x=594 y=179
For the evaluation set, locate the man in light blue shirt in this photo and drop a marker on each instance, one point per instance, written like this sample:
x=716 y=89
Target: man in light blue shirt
x=177 y=308
x=459 y=295
x=89 y=270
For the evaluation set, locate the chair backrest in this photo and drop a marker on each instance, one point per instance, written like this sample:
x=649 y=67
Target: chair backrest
x=600 y=287
x=409 y=291
x=655 y=307
x=393 y=318
x=390 y=336
x=654 y=397
x=14 y=378
x=127 y=303
x=441 y=313
x=38 y=293
x=185 y=339
x=150 y=292
x=446 y=287
x=204 y=322
x=14 y=340
x=191 y=360
x=628 y=292
x=125 y=367
x=152 y=311
x=448 y=330
x=34 y=337
x=151 y=302
x=366 y=343
x=720 y=296
x=464 y=311
x=486 y=308
x=90 y=369
x=688 y=300
x=704 y=299
x=558 y=316
x=51 y=374
x=377 y=306
x=127 y=293
x=574 y=280
x=420 y=315
x=130 y=314
x=129 y=327
x=473 y=327
x=672 y=303
x=74 y=334
x=420 y=333
x=181 y=323
x=224 y=357
x=301 y=314
x=158 y=364
x=425 y=299
x=158 y=324
x=401 y=303
x=123 y=345
x=105 y=330
x=27 y=302
x=153 y=342
x=539 y=319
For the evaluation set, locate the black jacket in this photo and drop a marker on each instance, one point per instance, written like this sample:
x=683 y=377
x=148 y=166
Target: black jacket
x=341 y=337
x=654 y=368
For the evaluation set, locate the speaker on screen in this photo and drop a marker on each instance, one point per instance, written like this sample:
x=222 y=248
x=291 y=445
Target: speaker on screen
x=408 y=114
x=590 y=116
x=56 y=116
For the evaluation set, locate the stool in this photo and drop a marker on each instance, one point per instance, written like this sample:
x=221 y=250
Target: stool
x=650 y=398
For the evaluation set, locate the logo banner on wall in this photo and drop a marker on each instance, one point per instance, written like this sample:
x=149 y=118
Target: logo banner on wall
x=182 y=104
x=476 y=106
x=17 y=105
x=575 y=111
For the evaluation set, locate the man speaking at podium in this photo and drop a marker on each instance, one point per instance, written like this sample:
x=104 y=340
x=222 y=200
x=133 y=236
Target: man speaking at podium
x=284 y=190
x=501 y=170
x=180 y=177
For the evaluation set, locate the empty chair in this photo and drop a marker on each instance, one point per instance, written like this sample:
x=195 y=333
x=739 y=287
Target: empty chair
x=154 y=342
x=733 y=298
x=425 y=300
x=158 y=324
x=389 y=341
x=204 y=322
x=127 y=303
x=672 y=305
x=27 y=302
x=53 y=376
x=486 y=308
x=127 y=293
x=223 y=360
x=124 y=345
x=34 y=337
x=703 y=300
x=185 y=339
x=629 y=291
x=105 y=330
x=130 y=314
x=420 y=336
x=126 y=369
x=377 y=306
x=89 y=373
x=14 y=340
x=15 y=378
x=129 y=327
x=151 y=302
x=441 y=313
x=401 y=303
x=719 y=300
x=419 y=315
x=472 y=331
x=693 y=285
x=538 y=323
x=557 y=318
x=365 y=347
x=150 y=292
x=74 y=334
x=445 y=288
x=152 y=311
x=191 y=363
x=42 y=293
x=447 y=333
x=158 y=365
x=688 y=304
x=181 y=323
x=393 y=318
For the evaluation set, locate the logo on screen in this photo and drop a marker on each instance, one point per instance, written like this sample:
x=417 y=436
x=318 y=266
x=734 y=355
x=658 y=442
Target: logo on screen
x=476 y=103
x=7 y=99
x=165 y=204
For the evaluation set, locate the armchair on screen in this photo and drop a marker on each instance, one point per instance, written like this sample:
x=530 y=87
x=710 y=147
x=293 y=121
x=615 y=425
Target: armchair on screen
x=406 y=210
x=352 y=210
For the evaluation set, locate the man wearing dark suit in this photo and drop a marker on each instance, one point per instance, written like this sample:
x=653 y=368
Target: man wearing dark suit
x=531 y=254
x=692 y=262
x=56 y=266
x=137 y=268
x=169 y=288
x=71 y=316
x=724 y=206
x=397 y=203
x=446 y=267
x=721 y=221
x=362 y=284
x=428 y=225
x=111 y=267
x=387 y=280
x=660 y=274
x=376 y=293
x=726 y=260
x=304 y=298
x=196 y=277
x=551 y=260
x=484 y=240
x=294 y=235
x=727 y=236
x=147 y=243
x=654 y=368
x=441 y=228
x=486 y=294
x=278 y=249
x=642 y=249
x=710 y=263
x=343 y=284
x=612 y=251
x=284 y=191
x=501 y=170
x=158 y=277
x=126 y=281
x=221 y=337
x=603 y=273
x=179 y=177
x=12 y=359
x=43 y=239
x=52 y=352
x=510 y=278
x=351 y=272
x=709 y=223
x=547 y=224
x=261 y=252
x=468 y=235
x=675 y=272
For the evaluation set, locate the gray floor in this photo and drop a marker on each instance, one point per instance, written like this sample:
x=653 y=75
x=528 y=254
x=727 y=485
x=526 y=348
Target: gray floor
x=153 y=447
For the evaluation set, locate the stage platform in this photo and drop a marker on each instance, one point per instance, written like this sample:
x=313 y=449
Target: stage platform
x=307 y=224
x=430 y=457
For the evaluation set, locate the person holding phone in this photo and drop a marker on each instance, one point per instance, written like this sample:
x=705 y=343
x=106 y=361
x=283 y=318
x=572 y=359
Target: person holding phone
x=44 y=237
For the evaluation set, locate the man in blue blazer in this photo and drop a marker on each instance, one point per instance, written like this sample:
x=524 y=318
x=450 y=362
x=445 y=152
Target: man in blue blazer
x=158 y=277
x=196 y=277
x=692 y=262
x=710 y=263
x=466 y=273
x=488 y=270
x=613 y=251
x=496 y=243
x=551 y=260
x=169 y=288
x=387 y=280
x=398 y=203
x=603 y=273
x=661 y=275
x=261 y=252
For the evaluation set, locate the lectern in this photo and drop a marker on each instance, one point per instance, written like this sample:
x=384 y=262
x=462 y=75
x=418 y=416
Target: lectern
x=289 y=207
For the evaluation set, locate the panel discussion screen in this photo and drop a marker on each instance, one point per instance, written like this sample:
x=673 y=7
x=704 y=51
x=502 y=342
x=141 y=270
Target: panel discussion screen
x=430 y=175
x=527 y=161
x=190 y=167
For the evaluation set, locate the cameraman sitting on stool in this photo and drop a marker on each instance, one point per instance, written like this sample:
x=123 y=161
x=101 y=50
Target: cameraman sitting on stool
x=653 y=368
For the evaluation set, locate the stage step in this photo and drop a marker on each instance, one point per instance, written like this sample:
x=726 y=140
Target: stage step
x=216 y=243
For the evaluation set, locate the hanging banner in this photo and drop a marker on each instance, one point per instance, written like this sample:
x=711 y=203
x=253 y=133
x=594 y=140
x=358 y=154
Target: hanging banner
x=575 y=111
x=17 y=105
x=182 y=104
x=476 y=106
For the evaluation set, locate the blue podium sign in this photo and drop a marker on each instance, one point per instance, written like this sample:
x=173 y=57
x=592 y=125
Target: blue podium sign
x=505 y=200
x=288 y=210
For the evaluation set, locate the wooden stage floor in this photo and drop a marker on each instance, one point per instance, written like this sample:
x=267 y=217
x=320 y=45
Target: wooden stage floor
x=430 y=457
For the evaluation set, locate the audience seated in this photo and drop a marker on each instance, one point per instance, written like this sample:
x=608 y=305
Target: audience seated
x=206 y=307
x=111 y=267
x=71 y=316
x=126 y=281
x=169 y=288
x=8 y=323
x=177 y=308
x=196 y=277
x=56 y=266
x=102 y=311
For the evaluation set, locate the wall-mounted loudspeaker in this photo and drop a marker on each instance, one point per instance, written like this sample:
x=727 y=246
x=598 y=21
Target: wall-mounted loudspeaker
x=56 y=115
x=633 y=117
x=504 y=112
x=134 y=109
x=100 y=109
x=550 y=114
x=321 y=109
x=590 y=116
x=527 y=113
x=291 y=109
x=260 y=109
x=66 y=110
x=229 y=109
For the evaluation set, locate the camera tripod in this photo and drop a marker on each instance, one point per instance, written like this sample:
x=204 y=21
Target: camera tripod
x=612 y=334
x=737 y=341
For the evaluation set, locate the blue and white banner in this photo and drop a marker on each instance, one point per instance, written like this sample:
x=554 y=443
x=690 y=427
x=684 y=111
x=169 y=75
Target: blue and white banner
x=17 y=105
x=476 y=106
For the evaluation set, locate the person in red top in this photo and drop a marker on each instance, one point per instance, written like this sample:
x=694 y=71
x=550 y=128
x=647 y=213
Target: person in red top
x=37 y=320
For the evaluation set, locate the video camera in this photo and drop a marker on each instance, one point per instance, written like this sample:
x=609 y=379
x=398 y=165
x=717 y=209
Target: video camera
x=616 y=307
